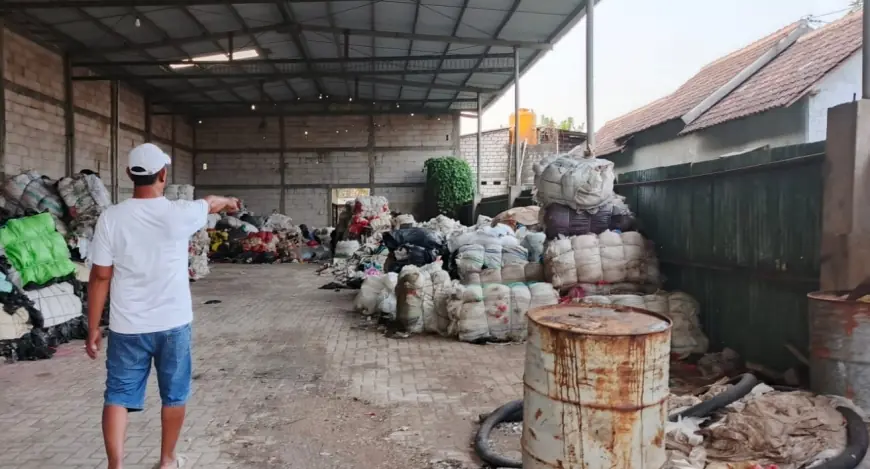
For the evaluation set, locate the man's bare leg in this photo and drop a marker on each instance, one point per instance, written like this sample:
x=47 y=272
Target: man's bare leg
x=172 y=419
x=114 y=434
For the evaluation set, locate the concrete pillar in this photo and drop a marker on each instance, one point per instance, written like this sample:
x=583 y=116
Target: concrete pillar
x=845 y=256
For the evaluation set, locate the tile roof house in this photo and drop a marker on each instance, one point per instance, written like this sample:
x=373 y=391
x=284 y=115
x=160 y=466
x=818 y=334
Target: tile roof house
x=775 y=91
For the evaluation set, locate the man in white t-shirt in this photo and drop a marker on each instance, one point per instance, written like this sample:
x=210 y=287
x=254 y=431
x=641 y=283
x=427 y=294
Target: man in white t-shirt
x=140 y=248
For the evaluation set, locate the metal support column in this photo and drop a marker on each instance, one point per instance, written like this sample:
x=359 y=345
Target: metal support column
x=114 y=134
x=282 y=164
x=193 y=126
x=371 y=152
x=2 y=101
x=69 y=116
x=172 y=152
x=590 y=95
x=517 y=169
x=865 y=56
x=149 y=133
x=477 y=191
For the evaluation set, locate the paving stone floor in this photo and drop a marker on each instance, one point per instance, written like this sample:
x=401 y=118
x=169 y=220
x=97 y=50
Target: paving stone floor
x=286 y=376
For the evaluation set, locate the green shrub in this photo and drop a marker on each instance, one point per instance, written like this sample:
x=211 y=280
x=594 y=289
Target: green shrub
x=450 y=182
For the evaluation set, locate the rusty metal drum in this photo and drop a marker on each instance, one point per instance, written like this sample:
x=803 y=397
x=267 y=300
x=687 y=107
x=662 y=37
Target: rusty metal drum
x=840 y=346
x=596 y=388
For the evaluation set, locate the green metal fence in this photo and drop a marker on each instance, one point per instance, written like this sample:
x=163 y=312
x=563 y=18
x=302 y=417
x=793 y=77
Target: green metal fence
x=741 y=234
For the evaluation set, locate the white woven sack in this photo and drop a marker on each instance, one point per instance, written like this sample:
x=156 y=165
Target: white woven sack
x=543 y=294
x=513 y=273
x=612 y=257
x=521 y=301
x=440 y=284
x=472 y=325
x=634 y=249
x=496 y=299
x=587 y=258
x=582 y=184
x=559 y=264
x=492 y=256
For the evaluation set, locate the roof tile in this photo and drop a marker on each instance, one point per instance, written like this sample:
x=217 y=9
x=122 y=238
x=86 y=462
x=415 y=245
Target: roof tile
x=691 y=93
x=790 y=76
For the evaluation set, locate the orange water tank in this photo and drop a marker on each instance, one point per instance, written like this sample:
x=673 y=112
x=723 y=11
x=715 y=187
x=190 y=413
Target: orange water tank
x=527 y=128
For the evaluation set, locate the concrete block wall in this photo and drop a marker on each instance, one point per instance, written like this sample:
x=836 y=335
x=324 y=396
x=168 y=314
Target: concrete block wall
x=495 y=159
x=242 y=157
x=495 y=164
x=35 y=112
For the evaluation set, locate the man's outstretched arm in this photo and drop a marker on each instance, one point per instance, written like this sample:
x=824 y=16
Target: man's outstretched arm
x=217 y=204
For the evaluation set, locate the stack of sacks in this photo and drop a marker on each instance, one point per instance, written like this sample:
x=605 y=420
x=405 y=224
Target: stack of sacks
x=377 y=295
x=493 y=255
x=577 y=196
x=369 y=213
x=30 y=193
x=198 y=247
x=494 y=312
x=494 y=263
x=420 y=293
x=609 y=258
x=86 y=198
x=179 y=192
x=686 y=334
x=39 y=262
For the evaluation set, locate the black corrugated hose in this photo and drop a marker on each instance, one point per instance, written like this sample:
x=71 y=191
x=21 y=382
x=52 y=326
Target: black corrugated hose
x=857 y=437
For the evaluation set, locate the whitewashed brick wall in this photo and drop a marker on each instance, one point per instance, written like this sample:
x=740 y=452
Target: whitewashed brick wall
x=35 y=132
x=320 y=151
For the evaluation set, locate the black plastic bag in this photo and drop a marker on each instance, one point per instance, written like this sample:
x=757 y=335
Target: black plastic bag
x=422 y=237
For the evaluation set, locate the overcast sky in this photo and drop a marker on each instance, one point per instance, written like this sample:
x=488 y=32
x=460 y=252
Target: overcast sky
x=645 y=49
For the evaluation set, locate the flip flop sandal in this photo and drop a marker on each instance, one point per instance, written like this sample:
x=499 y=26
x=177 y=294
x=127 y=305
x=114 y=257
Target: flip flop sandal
x=179 y=462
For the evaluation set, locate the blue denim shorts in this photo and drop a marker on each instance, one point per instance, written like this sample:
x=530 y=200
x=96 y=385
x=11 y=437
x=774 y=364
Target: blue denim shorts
x=128 y=364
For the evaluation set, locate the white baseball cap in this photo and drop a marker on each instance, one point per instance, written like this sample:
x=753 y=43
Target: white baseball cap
x=147 y=159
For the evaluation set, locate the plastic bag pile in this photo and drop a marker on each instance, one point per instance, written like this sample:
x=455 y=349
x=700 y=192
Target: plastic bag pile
x=577 y=196
x=413 y=246
x=686 y=334
x=250 y=239
x=86 y=198
x=41 y=295
x=369 y=215
x=197 y=248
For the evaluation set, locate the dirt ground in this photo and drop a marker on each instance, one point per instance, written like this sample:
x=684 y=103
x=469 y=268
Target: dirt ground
x=286 y=376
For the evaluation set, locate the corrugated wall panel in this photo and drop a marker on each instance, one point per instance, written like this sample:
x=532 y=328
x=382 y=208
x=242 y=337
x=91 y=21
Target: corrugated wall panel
x=741 y=234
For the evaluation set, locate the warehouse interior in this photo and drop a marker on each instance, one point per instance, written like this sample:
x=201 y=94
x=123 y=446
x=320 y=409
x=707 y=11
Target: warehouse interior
x=278 y=103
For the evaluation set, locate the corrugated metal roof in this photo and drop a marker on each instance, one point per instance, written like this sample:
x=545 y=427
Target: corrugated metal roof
x=336 y=51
